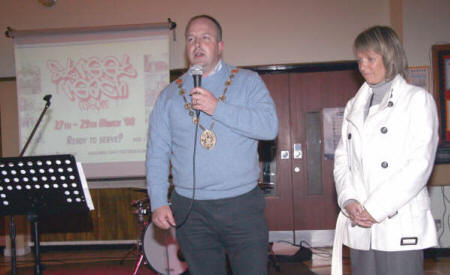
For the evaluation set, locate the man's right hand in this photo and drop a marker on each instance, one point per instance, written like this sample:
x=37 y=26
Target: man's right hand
x=163 y=218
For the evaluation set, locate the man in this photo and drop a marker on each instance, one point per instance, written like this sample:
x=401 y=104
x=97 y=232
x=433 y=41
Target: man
x=219 y=166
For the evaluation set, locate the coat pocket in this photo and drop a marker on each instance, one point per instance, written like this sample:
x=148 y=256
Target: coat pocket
x=419 y=204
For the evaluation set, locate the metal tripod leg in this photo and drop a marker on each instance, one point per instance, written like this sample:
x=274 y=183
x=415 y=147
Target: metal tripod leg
x=141 y=211
x=138 y=264
x=131 y=250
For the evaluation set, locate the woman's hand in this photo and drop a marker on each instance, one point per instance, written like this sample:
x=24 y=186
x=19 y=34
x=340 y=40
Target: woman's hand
x=359 y=215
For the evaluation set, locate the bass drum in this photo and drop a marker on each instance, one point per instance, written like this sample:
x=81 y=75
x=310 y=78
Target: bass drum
x=160 y=249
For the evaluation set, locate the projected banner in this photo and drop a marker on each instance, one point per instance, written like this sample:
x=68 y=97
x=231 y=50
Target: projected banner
x=103 y=87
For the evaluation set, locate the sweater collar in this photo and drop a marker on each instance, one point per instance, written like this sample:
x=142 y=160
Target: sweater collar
x=217 y=68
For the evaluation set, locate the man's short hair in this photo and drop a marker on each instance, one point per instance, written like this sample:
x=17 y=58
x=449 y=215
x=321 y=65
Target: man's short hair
x=212 y=19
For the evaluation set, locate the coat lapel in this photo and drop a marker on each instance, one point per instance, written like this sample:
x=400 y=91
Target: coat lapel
x=393 y=94
x=356 y=113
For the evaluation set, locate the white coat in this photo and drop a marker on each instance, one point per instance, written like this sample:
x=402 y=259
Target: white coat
x=384 y=161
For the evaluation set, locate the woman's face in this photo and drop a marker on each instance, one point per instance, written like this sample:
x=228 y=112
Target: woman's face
x=371 y=66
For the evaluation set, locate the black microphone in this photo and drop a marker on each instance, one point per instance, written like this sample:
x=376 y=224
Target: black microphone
x=47 y=98
x=197 y=72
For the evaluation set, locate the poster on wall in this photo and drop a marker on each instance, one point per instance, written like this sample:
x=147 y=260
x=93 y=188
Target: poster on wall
x=332 y=124
x=420 y=76
x=103 y=86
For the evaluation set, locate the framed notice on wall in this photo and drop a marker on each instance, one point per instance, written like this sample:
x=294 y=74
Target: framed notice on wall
x=441 y=83
x=332 y=124
x=419 y=76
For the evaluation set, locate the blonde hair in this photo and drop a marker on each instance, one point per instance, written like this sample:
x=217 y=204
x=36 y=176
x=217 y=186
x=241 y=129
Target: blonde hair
x=384 y=41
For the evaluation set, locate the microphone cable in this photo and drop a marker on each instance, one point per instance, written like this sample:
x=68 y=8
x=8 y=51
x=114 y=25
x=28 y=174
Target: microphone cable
x=197 y=72
x=166 y=238
x=194 y=179
x=166 y=235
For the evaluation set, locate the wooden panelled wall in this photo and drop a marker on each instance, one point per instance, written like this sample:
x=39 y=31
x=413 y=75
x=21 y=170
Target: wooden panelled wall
x=113 y=219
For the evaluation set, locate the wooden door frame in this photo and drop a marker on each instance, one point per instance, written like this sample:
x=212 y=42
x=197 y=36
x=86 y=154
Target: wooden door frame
x=304 y=67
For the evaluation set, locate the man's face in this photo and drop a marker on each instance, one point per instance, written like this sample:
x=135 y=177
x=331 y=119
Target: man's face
x=202 y=46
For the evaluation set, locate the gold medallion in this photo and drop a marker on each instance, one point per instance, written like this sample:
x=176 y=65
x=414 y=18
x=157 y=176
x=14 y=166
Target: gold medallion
x=208 y=139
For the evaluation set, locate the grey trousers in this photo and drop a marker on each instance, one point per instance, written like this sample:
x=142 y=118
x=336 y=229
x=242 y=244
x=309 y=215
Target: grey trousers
x=235 y=227
x=374 y=262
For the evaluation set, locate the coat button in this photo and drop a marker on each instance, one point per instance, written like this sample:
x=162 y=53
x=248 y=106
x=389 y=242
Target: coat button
x=384 y=164
x=383 y=130
x=390 y=104
x=349 y=136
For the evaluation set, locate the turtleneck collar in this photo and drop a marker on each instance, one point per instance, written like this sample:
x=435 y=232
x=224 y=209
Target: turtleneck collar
x=381 y=87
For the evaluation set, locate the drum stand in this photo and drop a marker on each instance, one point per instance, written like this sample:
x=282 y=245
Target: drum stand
x=141 y=224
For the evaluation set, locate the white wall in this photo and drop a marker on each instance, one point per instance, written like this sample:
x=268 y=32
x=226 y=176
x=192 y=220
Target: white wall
x=256 y=32
x=440 y=206
x=425 y=23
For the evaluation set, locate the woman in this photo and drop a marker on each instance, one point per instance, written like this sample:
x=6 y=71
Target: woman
x=383 y=162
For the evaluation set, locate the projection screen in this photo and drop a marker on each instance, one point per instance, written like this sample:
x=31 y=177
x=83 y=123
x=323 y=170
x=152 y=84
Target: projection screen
x=103 y=83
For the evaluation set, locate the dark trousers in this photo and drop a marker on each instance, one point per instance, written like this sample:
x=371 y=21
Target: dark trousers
x=215 y=228
x=374 y=262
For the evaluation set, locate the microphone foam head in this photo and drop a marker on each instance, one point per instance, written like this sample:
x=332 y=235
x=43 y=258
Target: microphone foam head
x=196 y=69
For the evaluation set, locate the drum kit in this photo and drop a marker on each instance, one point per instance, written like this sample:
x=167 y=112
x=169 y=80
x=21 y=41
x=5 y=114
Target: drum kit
x=155 y=247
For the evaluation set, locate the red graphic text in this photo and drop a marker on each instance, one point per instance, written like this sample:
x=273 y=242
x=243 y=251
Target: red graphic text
x=93 y=82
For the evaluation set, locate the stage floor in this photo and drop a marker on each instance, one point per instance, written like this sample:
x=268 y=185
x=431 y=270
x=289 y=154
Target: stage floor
x=107 y=261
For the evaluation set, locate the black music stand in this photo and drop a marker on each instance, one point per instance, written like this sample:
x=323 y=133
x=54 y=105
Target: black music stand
x=40 y=185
